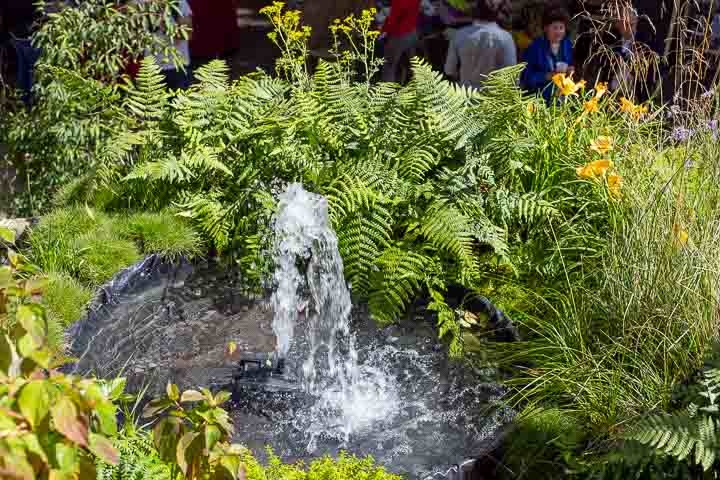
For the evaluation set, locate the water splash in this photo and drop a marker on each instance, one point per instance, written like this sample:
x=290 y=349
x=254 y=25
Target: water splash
x=349 y=398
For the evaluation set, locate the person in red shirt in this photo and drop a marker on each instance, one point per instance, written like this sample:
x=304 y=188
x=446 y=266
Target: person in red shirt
x=401 y=38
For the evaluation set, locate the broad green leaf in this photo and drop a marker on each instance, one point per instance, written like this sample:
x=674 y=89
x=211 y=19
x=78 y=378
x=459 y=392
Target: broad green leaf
x=155 y=407
x=212 y=436
x=188 y=453
x=7 y=234
x=34 y=402
x=67 y=421
x=166 y=434
x=32 y=444
x=5 y=277
x=31 y=319
x=6 y=354
x=66 y=457
x=191 y=396
x=106 y=414
x=103 y=449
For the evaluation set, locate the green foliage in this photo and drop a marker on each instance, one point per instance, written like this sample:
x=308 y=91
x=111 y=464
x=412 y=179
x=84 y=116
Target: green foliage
x=90 y=246
x=541 y=444
x=97 y=37
x=689 y=435
x=162 y=233
x=345 y=467
x=138 y=459
x=100 y=256
x=193 y=434
x=53 y=425
x=65 y=298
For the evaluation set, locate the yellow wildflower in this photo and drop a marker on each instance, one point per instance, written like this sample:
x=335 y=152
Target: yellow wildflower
x=681 y=235
x=602 y=145
x=566 y=85
x=530 y=108
x=614 y=185
x=600 y=89
x=598 y=168
x=591 y=106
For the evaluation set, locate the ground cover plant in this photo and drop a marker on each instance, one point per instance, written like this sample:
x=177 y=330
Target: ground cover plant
x=591 y=221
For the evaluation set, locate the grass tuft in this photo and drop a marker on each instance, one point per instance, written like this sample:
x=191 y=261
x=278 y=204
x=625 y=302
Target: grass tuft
x=65 y=298
x=163 y=233
x=100 y=255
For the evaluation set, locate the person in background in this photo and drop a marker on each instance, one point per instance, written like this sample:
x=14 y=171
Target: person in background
x=479 y=49
x=549 y=54
x=529 y=27
x=400 y=37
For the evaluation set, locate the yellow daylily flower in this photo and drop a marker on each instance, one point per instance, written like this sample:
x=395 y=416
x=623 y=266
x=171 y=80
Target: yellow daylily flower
x=635 y=111
x=598 y=168
x=566 y=85
x=614 y=185
x=591 y=106
x=600 y=89
x=626 y=105
x=602 y=145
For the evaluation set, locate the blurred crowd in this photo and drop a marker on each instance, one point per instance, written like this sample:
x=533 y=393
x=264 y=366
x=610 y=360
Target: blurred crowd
x=466 y=39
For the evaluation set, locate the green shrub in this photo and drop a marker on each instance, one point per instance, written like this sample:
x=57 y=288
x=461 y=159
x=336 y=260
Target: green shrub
x=163 y=233
x=345 y=467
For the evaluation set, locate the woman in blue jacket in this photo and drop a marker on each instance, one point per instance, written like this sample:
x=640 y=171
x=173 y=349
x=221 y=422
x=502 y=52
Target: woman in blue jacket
x=547 y=55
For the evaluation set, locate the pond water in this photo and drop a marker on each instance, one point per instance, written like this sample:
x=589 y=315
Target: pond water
x=347 y=384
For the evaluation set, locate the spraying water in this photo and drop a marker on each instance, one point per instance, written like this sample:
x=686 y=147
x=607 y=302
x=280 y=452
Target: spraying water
x=319 y=298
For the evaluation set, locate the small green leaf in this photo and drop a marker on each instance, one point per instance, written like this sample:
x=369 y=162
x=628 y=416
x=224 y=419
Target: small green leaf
x=221 y=398
x=155 y=407
x=106 y=413
x=173 y=392
x=103 y=449
x=34 y=402
x=191 y=396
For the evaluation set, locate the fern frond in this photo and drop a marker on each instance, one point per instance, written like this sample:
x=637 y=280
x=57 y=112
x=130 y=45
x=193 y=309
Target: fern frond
x=679 y=436
x=211 y=216
x=168 y=169
x=362 y=237
x=449 y=230
x=398 y=278
x=147 y=97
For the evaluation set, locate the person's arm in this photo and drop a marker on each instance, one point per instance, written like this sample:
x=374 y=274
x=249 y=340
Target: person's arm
x=451 y=63
x=536 y=74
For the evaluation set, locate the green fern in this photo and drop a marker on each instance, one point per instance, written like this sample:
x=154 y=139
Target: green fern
x=399 y=275
x=139 y=460
x=690 y=435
